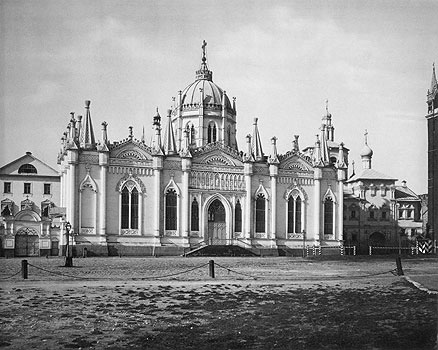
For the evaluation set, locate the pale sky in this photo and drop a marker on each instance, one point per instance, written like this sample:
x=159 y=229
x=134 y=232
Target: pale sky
x=281 y=59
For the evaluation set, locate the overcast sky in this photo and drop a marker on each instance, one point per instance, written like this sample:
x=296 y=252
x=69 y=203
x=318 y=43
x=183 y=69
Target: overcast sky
x=281 y=59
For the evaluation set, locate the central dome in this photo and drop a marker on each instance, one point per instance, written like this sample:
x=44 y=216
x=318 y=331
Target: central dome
x=211 y=94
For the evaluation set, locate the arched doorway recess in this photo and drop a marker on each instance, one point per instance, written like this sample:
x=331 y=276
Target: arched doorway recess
x=217 y=229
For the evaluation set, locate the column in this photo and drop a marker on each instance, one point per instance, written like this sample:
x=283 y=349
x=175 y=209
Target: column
x=140 y=213
x=317 y=205
x=340 y=229
x=102 y=201
x=273 y=169
x=248 y=200
x=158 y=165
x=71 y=196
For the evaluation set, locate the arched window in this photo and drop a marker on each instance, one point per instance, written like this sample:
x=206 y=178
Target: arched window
x=195 y=215
x=130 y=215
x=238 y=217
x=294 y=210
x=125 y=208
x=192 y=135
x=134 y=208
x=171 y=210
x=27 y=169
x=211 y=136
x=328 y=216
x=260 y=213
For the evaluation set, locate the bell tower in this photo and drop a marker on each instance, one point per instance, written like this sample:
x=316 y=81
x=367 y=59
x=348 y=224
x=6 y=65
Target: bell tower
x=432 y=178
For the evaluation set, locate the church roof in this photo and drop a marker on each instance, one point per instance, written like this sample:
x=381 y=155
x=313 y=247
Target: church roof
x=370 y=174
x=405 y=193
x=42 y=168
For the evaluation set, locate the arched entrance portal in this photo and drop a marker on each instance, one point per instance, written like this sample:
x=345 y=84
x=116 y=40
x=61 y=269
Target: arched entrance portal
x=27 y=243
x=217 y=229
x=377 y=239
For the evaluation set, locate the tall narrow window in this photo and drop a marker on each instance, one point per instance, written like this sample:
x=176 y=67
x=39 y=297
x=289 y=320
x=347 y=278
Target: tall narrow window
x=195 y=215
x=214 y=133
x=260 y=213
x=192 y=135
x=229 y=136
x=125 y=208
x=209 y=134
x=26 y=189
x=238 y=217
x=290 y=215
x=171 y=210
x=328 y=216
x=7 y=187
x=298 y=215
x=134 y=208
x=46 y=188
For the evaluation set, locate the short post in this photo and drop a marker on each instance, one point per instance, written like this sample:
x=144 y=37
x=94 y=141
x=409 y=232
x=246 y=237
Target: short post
x=370 y=250
x=211 y=268
x=354 y=250
x=399 y=266
x=24 y=269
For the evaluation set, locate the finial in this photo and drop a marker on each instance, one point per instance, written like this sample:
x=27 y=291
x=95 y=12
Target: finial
x=130 y=132
x=87 y=104
x=366 y=136
x=326 y=106
x=204 y=45
x=255 y=121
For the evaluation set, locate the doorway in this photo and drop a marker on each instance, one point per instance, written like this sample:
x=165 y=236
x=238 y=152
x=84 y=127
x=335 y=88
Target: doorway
x=27 y=243
x=217 y=229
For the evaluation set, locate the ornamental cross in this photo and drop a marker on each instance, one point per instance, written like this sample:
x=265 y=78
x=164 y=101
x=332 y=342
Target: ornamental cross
x=204 y=44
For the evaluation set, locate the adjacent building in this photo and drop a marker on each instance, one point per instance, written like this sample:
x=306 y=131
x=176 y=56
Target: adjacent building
x=377 y=212
x=29 y=189
x=432 y=178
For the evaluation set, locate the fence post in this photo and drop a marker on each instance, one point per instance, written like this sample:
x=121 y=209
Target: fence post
x=371 y=250
x=399 y=266
x=354 y=250
x=24 y=269
x=211 y=268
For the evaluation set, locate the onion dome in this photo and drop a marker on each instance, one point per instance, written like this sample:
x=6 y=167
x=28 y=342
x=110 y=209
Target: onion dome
x=366 y=150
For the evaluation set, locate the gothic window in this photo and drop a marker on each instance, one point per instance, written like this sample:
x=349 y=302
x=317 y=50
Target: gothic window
x=171 y=210
x=27 y=188
x=130 y=215
x=238 y=217
x=328 y=216
x=294 y=210
x=211 y=136
x=125 y=208
x=192 y=135
x=134 y=208
x=46 y=188
x=27 y=169
x=260 y=213
x=195 y=215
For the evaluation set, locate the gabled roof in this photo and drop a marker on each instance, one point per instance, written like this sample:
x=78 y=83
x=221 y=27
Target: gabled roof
x=42 y=168
x=370 y=174
x=405 y=193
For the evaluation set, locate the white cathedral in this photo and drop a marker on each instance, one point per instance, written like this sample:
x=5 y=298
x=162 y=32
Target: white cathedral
x=193 y=187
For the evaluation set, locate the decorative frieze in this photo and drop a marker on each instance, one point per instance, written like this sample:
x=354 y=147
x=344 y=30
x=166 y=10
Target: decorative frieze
x=131 y=170
x=217 y=181
x=302 y=181
x=89 y=158
x=295 y=236
x=129 y=232
x=171 y=233
x=87 y=231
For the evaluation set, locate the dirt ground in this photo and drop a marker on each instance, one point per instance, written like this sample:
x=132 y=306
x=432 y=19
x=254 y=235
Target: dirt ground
x=253 y=303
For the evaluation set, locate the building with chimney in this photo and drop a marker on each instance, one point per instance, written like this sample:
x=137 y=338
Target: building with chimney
x=432 y=158
x=30 y=188
x=193 y=187
x=377 y=212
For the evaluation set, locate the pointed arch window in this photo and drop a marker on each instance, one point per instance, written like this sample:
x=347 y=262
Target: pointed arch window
x=192 y=135
x=211 y=135
x=294 y=214
x=195 y=215
x=328 y=216
x=260 y=213
x=238 y=217
x=130 y=208
x=171 y=210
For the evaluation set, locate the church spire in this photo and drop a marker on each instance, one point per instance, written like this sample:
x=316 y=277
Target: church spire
x=433 y=83
x=204 y=73
x=256 y=146
x=156 y=144
x=87 y=140
x=169 y=137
